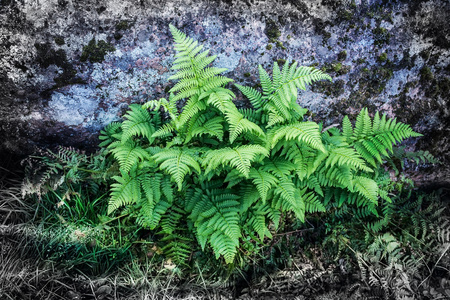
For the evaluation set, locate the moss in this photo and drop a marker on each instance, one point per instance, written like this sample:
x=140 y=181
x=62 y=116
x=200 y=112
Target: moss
x=95 y=52
x=247 y=74
x=288 y=37
x=272 y=31
x=47 y=56
x=269 y=47
x=280 y=45
x=426 y=75
x=281 y=61
x=360 y=61
x=381 y=36
x=122 y=25
x=333 y=89
x=117 y=36
x=372 y=81
x=59 y=41
x=382 y=57
x=342 y=55
x=345 y=15
x=326 y=35
x=337 y=67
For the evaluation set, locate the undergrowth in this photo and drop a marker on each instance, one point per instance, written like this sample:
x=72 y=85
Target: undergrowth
x=194 y=189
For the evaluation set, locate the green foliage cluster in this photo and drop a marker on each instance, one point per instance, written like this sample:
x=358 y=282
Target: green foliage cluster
x=218 y=175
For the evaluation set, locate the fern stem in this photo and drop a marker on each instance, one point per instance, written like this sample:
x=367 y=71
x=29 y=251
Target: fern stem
x=435 y=265
x=113 y=219
x=295 y=231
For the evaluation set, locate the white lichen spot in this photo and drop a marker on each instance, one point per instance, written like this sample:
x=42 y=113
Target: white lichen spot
x=73 y=107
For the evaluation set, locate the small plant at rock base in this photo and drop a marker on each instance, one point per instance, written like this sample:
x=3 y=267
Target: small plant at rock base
x=216 y=175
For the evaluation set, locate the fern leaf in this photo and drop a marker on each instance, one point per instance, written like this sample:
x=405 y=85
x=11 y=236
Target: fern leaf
x=108 y=134
x=125 y=190
x=264 y=181
x=240 y=157
x=137 y=123
x=253 y=95
x=346 y=156
x=178 y=163
x=213 y=127
x=217 y=220
x=366 y=187
x=305 y=132
x=128 y=155
x=239 y=124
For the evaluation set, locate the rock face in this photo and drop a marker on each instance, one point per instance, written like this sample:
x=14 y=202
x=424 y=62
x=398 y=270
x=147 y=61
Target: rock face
x=68 y=68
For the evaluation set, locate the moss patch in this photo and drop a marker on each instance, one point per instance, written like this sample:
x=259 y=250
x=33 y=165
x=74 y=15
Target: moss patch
x=47 y=56
x=59 y=41
x=281 y=61
x=333 y=89
x=280 y=45
x=122 y=25
x=382 y=57
x=269 y=47
x=95 y=52
x=272 y=31
x=381 y=36
x=426 y=75
x=342 y=55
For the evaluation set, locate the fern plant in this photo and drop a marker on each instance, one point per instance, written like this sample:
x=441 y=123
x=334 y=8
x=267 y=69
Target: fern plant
x=229 y=173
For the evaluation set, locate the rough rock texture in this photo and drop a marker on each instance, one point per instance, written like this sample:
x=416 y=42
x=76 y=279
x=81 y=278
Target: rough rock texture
x=68 y=68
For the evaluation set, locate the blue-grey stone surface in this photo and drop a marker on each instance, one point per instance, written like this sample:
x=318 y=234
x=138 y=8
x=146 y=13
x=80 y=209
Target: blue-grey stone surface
x=391 y=56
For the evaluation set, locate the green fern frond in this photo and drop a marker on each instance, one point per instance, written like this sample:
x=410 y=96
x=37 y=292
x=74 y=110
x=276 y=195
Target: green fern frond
x=346 y=156
x=312 y=202
x=177 y=162
x=240 y=157
x=125 y=190
x=372 y=139
x=366 y=187
x=279 y=167
x=266 y=82
x=256 y=221
x=238 y=124
x=253 y=96
x=220 y=98
x=110 y=134
x=212 y=127
x=164 y=131
x=288 y=197
x=128 y=154
x=304 y=132
x=178 y=248
x=263 y=181
x=217 y=220
x=137 y=123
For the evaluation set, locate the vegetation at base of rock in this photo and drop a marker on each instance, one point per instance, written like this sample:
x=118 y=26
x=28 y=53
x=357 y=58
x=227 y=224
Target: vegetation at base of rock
x=179 y=184
x=95 y=52
x=275 y=161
